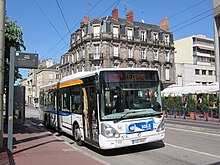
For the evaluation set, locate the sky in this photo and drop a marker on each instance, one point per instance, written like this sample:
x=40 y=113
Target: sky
x=48 y=24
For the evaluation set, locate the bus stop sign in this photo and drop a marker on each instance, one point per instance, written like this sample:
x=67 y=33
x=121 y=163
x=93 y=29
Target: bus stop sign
x=26 y=60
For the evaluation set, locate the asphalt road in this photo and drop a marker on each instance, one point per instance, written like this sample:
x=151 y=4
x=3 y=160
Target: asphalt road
x=182 y=145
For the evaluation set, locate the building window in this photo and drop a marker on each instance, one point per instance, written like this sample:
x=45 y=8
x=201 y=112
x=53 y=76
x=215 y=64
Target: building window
x=96 y=51
x=156 y=56
x=167 y=40
x=197 y=71
x=77 y=55
x=210 y=72
x=129 y=33
x=57 y=76
x=167 y=56
x=143 y=36
x=83 y=32
x=97 y=66
x=130 y=52
x=155 y=37
x=116 y=65
x=115 y=32
x=143 y=53
x=167 y=74
x=83 y=52
x=96 y=31
x=115 y=50
x=203 y=72
x=130 y=65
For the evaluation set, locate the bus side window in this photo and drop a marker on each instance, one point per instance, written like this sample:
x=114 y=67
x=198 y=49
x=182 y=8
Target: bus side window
x=76 y=107
x=66 y=101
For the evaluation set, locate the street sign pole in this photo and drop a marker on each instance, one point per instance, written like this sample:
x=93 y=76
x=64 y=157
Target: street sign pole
x=11 y=99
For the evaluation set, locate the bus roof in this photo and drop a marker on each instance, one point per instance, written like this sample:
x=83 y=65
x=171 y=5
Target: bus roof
x=84 y=74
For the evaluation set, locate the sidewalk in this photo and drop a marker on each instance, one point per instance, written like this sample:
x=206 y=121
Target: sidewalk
x=33 y=144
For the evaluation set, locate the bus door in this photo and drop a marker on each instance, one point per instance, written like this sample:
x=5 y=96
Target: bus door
x=91 y=117
x=65 y=114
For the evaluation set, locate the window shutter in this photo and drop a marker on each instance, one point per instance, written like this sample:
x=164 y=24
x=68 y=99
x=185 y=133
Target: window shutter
x=171 y=38
x=108 y=27
x=122 y=29
x=149 y=34
x=136 y=32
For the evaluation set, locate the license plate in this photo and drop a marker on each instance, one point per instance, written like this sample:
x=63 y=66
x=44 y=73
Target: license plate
x=138 y=141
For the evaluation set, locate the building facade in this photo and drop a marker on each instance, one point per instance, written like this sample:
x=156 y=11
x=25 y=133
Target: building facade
x=195 y=60
x=115 y=42
x=216 y=16
x=46 y=73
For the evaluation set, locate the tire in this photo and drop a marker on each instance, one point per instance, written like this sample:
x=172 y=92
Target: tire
x=77 y=135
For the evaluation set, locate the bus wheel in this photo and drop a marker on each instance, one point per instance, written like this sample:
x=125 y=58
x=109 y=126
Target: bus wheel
x=77 y=135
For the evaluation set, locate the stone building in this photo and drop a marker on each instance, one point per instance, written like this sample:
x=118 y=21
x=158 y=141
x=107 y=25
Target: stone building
x=115 y=42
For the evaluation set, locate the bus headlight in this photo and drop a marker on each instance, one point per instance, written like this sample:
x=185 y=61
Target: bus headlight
x=108 y=131
x=161 y=126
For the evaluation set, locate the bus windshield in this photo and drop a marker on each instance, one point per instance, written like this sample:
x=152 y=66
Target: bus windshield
x=129 y=94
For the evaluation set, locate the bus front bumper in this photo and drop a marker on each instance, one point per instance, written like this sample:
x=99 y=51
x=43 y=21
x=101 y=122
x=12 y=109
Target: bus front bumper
x=130 y=139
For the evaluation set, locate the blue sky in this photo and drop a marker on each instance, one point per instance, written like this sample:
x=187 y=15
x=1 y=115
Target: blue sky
x=43 y=26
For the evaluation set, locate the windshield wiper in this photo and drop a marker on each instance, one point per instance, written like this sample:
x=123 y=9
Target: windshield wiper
x=129 y=112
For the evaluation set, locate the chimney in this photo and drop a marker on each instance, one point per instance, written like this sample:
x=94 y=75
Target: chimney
x=130 y=17
x=164 y=24
x=86 y=19
x=115 y=14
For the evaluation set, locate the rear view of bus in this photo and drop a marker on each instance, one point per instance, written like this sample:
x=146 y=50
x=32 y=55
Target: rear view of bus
x=130 y=110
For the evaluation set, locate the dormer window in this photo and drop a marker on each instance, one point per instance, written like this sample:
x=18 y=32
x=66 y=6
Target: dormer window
x=155 y=37
x=167 y=39
x=115 y=32
x=143 y=35
x=96 y=31
x=129 y=34
x=83 y=32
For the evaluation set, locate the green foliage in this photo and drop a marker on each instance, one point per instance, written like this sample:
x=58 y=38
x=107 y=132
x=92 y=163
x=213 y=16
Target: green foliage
x=191 y=104
x=205 y=102
x=179 y=103
x=13 y=38
x=169 y=102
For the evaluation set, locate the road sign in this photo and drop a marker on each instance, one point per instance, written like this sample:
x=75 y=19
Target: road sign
x=26 y=60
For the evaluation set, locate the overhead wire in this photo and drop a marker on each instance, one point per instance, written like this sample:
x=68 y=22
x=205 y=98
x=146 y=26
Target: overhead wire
x=55 y=45
x=190 y=19
x=115 y=3
x=49 y=21
x=182 y=11
x=63 y=16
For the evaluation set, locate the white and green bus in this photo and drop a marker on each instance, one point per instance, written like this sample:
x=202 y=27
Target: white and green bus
x=108 y=108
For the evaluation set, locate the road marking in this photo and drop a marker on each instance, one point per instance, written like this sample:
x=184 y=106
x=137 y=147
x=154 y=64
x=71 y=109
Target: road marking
x=182 y=129
x=191 y=150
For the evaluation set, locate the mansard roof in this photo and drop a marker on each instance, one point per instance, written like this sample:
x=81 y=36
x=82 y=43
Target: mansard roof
x=136 y=24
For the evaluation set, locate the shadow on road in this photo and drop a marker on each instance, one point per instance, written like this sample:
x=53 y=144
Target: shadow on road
x=128 y=150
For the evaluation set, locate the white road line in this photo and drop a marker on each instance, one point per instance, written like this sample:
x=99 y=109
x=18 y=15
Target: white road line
x=201 y=132
x=191 y=150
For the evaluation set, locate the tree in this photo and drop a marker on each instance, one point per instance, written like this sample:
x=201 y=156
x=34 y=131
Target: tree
x=13 y=38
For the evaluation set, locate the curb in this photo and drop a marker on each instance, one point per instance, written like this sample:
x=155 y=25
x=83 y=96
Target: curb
x=199 y=129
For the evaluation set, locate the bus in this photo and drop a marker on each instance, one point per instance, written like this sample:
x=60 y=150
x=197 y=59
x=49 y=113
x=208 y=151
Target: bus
x=107 y=108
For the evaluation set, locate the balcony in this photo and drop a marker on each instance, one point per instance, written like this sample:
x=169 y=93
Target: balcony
x=95 y=56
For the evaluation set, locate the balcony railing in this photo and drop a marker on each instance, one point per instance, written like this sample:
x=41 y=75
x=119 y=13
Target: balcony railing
x=96 y=56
